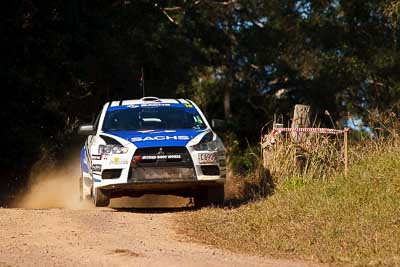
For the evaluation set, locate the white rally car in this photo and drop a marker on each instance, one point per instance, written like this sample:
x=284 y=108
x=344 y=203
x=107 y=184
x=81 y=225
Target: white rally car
x=152 y=146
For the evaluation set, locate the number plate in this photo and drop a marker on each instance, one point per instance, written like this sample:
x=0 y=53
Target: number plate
x=207 y=158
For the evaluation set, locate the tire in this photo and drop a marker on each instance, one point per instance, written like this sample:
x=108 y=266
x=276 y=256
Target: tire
x=85 y=191
x=209 y=196
x=100 y=199
x=81 y=187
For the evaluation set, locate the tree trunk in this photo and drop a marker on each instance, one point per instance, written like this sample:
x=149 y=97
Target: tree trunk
x=227 y=102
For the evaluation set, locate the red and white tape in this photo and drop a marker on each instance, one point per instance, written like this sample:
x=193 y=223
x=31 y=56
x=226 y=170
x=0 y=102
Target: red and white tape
x=277 y=131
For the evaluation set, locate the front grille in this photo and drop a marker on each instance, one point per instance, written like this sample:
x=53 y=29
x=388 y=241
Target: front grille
x=162 y=157
x=210 y=170
x=111 y=174
x=162 y=163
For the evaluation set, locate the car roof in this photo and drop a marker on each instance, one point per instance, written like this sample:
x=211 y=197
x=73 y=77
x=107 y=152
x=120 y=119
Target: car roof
x=149 y=99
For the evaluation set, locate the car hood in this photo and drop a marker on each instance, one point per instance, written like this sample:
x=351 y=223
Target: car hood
x=158 y=138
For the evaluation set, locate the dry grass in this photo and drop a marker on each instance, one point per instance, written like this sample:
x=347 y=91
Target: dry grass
x=291 y=165
x=313 y=215
x=316 y=157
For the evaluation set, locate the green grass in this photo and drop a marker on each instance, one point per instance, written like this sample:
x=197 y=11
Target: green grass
x=353 y=220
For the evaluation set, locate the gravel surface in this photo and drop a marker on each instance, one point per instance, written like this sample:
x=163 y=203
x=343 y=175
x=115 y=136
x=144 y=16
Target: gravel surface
x=108 y=237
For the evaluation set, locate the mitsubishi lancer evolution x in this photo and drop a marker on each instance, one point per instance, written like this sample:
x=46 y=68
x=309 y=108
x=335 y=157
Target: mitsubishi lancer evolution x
x=152 y=146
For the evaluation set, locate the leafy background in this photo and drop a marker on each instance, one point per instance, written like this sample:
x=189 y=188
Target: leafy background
x=240 y=60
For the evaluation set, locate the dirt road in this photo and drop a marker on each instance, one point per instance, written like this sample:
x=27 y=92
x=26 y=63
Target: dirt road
x=51 y=227
x=107 y=237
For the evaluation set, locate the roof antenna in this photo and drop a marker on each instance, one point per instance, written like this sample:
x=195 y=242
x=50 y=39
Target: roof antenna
x=142 y=82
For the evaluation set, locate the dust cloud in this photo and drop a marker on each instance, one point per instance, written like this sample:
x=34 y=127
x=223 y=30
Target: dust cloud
x=53 y=185
x=56 y=185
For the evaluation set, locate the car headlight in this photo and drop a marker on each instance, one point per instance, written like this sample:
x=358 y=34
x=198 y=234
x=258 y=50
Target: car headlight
x=207 y=143
x=112 y=149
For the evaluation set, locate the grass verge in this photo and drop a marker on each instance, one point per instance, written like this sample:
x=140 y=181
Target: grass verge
x=353 y=220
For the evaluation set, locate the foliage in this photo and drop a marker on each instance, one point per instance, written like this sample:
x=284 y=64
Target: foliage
x=243 y=60
x=241 y=160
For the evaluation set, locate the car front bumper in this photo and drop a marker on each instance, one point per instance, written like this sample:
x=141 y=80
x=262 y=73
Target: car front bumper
x=160 y=187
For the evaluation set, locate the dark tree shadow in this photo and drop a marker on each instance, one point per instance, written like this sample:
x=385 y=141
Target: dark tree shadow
x=255 y=187
x=155 y=210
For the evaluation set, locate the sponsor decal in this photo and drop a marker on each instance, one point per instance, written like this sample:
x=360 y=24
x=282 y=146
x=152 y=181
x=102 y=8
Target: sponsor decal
x=153 y=157
x=118 y=161
x=149 y=105
x=96 y=167
x=156 y=105
x=132 y=106
x=96 y=157
x=207 y=158
x=198 y=120
x=189 y=105
x=160 y=138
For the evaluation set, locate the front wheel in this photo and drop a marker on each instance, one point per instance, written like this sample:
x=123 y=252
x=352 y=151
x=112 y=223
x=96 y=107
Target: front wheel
x=100 y=199
x=81 y=188
x=85 y=188
x=209 y=196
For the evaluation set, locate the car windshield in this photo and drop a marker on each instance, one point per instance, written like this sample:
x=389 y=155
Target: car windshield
x=152 y=117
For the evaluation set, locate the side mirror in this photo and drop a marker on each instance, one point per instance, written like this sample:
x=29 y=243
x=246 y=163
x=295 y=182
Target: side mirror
x=217 y=124
x=86 y=129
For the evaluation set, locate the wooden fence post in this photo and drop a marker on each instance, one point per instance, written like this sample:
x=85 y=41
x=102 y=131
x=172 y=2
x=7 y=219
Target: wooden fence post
x=346 y=151
x=267 y=147
x=301 y=119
